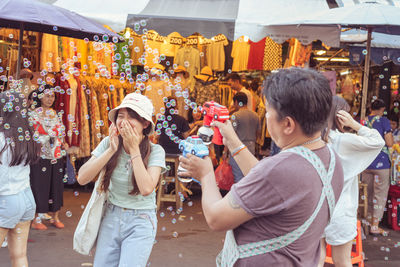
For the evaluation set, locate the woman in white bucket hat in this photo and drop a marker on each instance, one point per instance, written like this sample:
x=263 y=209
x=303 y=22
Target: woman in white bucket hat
x=133 y=166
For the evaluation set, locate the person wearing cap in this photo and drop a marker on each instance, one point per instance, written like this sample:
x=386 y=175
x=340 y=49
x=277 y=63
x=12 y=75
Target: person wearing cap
x=205 y=88
x=132 y=169
x=182 y=86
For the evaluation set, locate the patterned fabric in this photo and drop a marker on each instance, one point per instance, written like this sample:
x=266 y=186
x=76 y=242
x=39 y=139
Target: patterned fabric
x=204 y=92
x=84 y=132
x=272 y=55
x=50 y=130
x=232 y=252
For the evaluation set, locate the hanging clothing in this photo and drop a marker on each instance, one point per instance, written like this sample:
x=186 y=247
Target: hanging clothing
x=156 y=90
x=49 y=57
x=82 y=54
x=228 y=57
x=204 y=42
x=96 y=136
x=74 y=112
x=152 y=53
x=137 y=50
x=84 y=132
x=171 y=44
x=272 y=55
x=240 y=54
x=188 y=57
x=256 y=55
x=122 y=56
x=216 y=53
x=181 y=92
x=205 y=91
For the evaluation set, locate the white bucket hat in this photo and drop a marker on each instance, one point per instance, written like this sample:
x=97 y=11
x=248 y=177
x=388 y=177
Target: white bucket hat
x=138 y=103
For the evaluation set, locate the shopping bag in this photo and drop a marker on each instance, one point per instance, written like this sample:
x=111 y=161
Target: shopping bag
x=88 y=227
x=224 y=175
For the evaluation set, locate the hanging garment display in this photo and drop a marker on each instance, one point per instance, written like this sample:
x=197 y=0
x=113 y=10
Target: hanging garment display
x=240 y=54
x=272 y=55
x=153 y=42
x=256 y=55
x=156 y=90
x=137 y=50
x=188 y=57
x=171 y=44
x=49 y=57
x=216 y=53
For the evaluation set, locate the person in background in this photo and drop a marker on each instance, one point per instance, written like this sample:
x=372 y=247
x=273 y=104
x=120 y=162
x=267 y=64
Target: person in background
x=47 y=175
x=181 y=90
x=133 y=166
x=157 y=87
x=195 y=121
x=172 y=127
x=276 y=203
x=356 y=152
x=254 y=89
x=234 y=82
x=18 y=150
x=205 y=88
x=377 y=175
x=247 y=125
x=394 y=124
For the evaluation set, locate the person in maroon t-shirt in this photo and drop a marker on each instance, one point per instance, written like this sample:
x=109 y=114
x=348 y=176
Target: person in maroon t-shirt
x=281 y=193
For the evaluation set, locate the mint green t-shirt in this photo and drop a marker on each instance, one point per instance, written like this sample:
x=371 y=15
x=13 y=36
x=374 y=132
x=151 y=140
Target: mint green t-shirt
x=121 y=178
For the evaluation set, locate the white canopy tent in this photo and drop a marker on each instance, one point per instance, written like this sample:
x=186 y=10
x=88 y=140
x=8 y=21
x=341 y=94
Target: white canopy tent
x=234 y=18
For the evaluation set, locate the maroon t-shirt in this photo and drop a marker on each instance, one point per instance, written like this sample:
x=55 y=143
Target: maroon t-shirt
x=282 y=192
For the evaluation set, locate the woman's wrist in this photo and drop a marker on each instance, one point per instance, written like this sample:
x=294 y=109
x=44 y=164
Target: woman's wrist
x=233 y=144
x=134 y=151
x=356 y=126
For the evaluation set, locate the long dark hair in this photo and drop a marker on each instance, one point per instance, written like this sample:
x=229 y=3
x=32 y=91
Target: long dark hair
x=338 y=103
x=18 y=130
x=144 y=147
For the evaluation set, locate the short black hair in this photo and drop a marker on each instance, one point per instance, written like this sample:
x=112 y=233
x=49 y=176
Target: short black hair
x=377 y=104
x=240 y=98
x=302 y=94
x=233 y=77
x=39 y=94
x=254 y=85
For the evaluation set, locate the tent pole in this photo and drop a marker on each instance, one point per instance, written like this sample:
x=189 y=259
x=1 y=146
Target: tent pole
x=366 y=75
x=20 y=44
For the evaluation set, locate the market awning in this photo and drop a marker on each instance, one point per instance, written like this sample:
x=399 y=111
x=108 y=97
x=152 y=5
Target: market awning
x=233 y=18
x=207 y=17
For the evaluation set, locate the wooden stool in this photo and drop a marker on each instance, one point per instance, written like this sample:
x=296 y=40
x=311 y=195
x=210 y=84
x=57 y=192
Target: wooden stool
x=356 y=256
x=174 y=195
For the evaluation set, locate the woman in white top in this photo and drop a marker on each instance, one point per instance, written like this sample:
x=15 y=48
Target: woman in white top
x=17 y=151
x=356 y=152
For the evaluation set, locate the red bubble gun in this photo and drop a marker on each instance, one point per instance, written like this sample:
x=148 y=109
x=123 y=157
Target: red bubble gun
x=213 y=111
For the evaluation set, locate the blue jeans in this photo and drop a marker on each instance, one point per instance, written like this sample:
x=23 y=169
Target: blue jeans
x=237 y=173
x=126 y=237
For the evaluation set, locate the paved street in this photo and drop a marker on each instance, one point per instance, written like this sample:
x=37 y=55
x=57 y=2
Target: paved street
x=185 y=241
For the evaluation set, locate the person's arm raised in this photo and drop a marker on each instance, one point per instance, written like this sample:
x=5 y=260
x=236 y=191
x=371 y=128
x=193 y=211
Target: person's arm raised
x=91 y=169
x=244 y=158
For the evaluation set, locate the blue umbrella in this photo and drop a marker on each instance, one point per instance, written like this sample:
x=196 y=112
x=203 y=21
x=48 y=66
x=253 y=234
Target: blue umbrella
x=32 y=15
